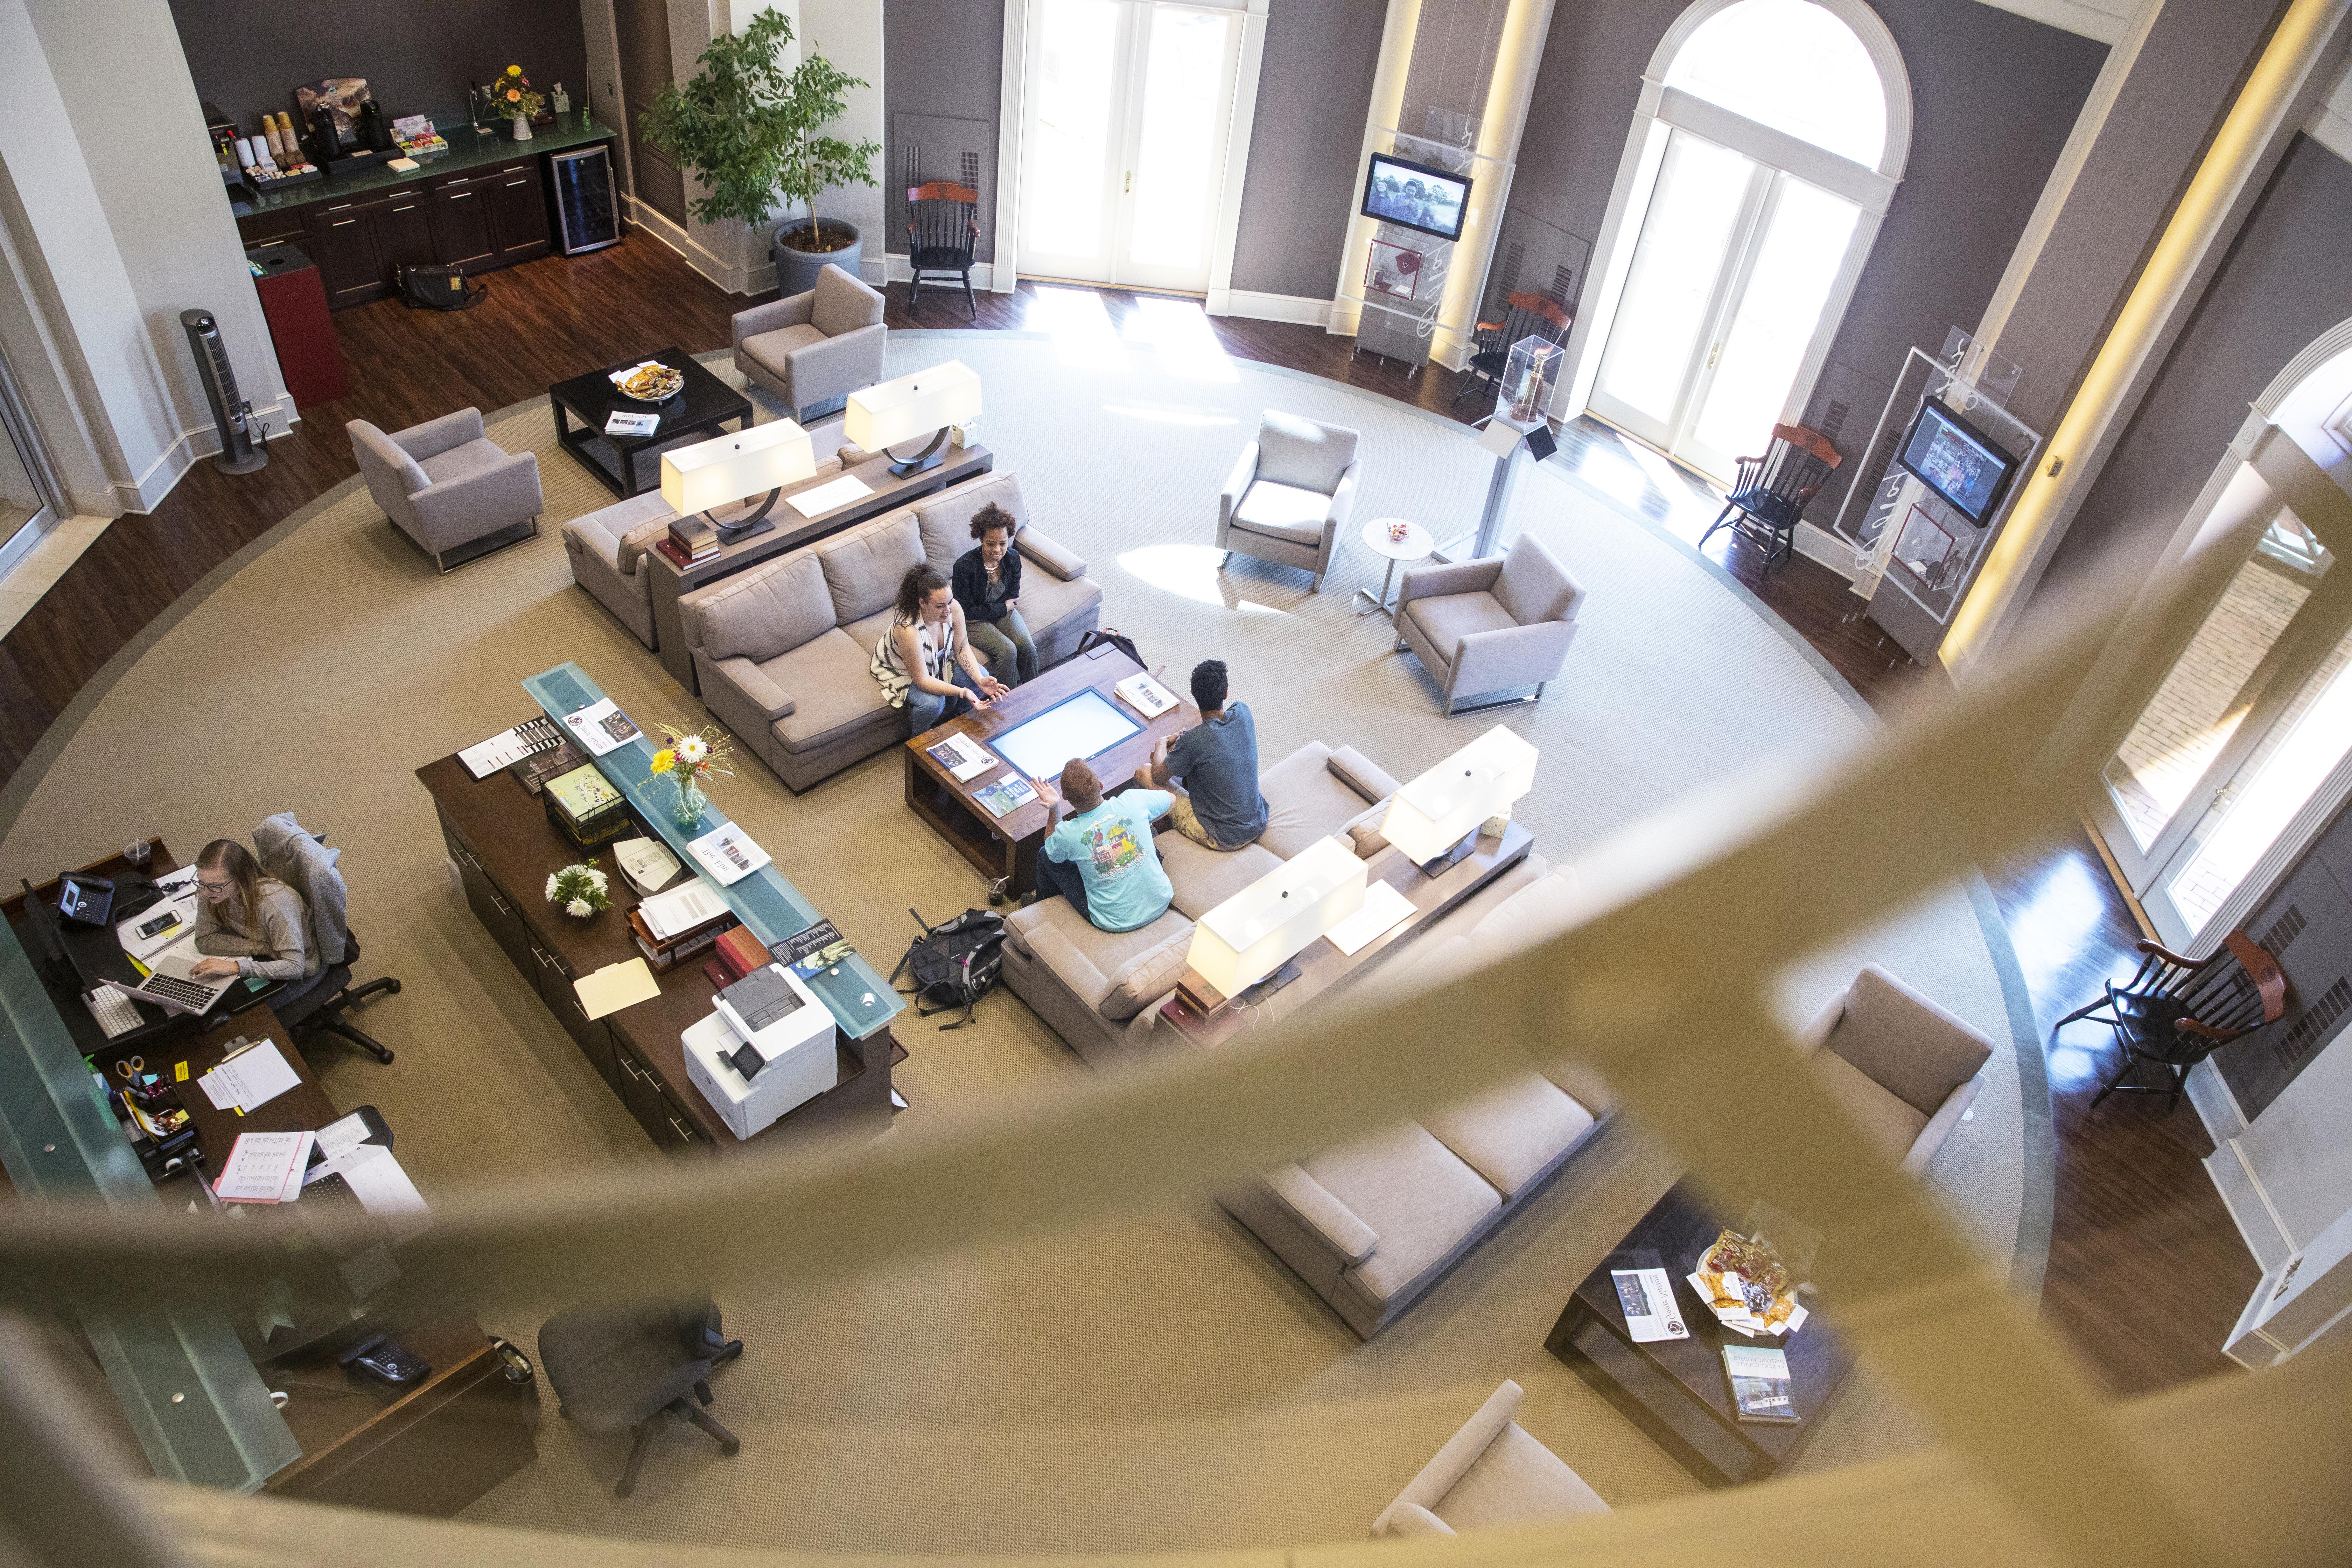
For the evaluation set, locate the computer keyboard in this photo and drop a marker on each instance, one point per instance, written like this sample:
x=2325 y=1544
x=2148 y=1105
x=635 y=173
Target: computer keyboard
x=186 y=993
x=332 y=1196
x=113 y=1010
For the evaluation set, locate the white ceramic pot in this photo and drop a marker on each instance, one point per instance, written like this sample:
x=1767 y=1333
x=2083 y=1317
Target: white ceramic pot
x=522 y=128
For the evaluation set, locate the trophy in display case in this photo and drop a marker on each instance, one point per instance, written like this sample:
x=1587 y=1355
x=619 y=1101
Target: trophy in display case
x=1528 y=378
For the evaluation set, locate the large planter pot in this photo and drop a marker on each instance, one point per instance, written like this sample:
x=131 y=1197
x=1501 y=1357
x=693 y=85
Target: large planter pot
x=796 y=270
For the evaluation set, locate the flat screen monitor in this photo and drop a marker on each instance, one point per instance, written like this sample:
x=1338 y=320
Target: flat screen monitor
x=1086 y=725
x=1416 y=196
x=1956 y=461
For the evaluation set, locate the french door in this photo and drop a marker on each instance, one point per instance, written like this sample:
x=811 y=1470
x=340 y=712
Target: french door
x=1131 y=107
x=2247 y=738
x=1733 y=266
x=28 y=505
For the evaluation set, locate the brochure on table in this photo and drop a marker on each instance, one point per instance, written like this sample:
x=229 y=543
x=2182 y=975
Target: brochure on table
x=859 y=998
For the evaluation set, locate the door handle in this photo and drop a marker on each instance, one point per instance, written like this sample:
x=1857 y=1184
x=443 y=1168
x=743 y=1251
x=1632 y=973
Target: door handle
x=1130 y=183
x=1713 y=355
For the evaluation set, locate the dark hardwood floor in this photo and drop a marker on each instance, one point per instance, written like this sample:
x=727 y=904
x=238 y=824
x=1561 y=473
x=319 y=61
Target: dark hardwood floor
x=2146 y=1272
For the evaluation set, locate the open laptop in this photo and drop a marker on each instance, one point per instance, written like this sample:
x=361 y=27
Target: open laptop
x=171 y=986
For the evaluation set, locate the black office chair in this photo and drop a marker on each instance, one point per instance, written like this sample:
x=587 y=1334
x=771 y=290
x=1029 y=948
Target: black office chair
x=315 y=1006
x=942 y=235
x=623 y=1368
x=1774 y=490
x=2175 y=1010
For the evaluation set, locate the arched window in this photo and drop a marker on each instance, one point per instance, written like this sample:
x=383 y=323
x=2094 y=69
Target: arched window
x=1768 y=140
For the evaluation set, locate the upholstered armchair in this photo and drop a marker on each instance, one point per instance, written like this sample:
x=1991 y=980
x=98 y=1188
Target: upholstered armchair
x=448 y=487
x=1290 y=494
x=608 y=550
x=1904 y=1069
x=1495 y=625
x=1489 y=1473
x=815 y=348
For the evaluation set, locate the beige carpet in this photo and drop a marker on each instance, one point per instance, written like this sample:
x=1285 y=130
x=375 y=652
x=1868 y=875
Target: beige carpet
x=1165 y=1384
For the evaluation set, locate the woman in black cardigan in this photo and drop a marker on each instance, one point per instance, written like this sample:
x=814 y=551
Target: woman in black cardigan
x=987 y=584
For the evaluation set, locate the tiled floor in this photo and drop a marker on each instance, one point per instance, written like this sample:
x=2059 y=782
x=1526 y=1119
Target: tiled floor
x=33 y=576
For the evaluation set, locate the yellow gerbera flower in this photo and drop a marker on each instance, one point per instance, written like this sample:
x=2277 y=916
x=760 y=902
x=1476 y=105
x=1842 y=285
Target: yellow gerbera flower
x=663 y=760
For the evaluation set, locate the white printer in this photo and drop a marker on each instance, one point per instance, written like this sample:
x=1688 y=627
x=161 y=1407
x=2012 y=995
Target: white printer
x=768 y=1048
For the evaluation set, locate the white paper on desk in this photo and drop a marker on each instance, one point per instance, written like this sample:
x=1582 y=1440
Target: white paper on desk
x=485 y=757
x=682 y=909
x=601 y=727
x=728 y=853
x=1383 y=909
x=385 y=1190
x=616 y=986
x=825 y=497
x=337 y=1139
x=184 y=913
x=249 y=1079
x=1646 y=1296
x=264 y=1167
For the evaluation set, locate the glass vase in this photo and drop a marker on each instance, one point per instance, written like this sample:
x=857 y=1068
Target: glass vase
x=687 y=801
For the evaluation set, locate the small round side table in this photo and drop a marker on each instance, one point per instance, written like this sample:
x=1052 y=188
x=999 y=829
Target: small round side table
x=1414 y=545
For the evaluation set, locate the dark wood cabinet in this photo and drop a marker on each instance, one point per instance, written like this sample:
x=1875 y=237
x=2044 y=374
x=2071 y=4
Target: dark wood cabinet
x=404 y=235
x=461 y=223
x=343 y=242
x=518 y=212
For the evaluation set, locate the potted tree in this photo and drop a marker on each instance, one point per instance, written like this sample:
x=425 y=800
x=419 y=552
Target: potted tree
x=752 y=133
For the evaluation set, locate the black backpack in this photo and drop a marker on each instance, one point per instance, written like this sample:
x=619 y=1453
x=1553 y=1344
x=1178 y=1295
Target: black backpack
x=438 y=289
x=955 y=963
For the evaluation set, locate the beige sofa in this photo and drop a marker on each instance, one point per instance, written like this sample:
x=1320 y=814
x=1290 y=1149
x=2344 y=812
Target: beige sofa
x=1904 y=1069
x=1374 y=1221
x=1101 y=990
x=783 y=651
x=1489 y=1473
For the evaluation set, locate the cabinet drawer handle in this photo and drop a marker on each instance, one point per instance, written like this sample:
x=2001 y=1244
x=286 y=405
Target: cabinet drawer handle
x=345 y=222
x=627 y=1065
x=501 y=904
x=461 y=196
x=410 y=208
x=512 y=183
x=684 y=1134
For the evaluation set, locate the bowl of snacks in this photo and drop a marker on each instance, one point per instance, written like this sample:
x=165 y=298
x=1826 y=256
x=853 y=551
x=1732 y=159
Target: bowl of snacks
x=1747 y=1287
x=652 y=382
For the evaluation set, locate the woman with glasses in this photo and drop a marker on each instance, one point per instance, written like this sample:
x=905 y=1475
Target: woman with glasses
x=249 y=925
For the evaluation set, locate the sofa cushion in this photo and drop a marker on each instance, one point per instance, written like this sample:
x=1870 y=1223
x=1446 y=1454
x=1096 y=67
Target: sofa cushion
x=1444 y=620
x=1411 y=1189
x=1283 y=511
x=864 y=566
x=1509 y=1132
x=1047 y=601
x=466 y=458
x=1203 y=878
x=843 y=304
x=1517 y=1479
x=945 y=520
x=1534 y=587
x=832 y=689
x=774 y=350
x=1305 y=800
x=1882 y=1115
x=1301 y=453
x=867 y=632
x=640 y=538
x=1911 y=1048
x=1147 y=976
x=1087 y=960
x=767 y=612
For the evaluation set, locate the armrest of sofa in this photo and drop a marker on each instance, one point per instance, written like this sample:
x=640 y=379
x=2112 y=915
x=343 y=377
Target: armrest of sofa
x=1343 y=500
x=456 y=510
x=1817 y=1032
x=1052 y=554
x=1311 y=1203
x=792 y=312
x=751 y=683
x=1436 y=582
x=845 y=358
x=436 y=437
x=1410 y=1519
x=585 y=536
x=1939 y=1126
x=1237 y=483
x=1451 y=1463
x=1360 y=773
x=1509 y=656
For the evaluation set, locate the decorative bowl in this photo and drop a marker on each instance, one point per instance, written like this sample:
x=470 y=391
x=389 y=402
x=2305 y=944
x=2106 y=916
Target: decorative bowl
x=651 y=383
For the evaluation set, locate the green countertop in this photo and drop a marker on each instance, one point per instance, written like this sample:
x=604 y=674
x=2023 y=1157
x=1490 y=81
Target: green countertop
x=468 y=149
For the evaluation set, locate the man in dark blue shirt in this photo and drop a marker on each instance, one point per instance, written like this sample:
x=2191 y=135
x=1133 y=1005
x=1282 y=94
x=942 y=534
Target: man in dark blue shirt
x=1216 y=763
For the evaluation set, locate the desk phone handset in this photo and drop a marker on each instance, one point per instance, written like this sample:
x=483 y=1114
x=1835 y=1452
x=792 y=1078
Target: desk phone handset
x=388 y=1362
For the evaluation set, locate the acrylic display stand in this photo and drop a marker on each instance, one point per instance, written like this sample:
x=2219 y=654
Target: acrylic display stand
x=1398 y=299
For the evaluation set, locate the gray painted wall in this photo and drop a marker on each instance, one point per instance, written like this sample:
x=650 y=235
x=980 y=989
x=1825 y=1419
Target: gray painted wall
x=1314 y=88
x=2283 y=281
x=946 y=58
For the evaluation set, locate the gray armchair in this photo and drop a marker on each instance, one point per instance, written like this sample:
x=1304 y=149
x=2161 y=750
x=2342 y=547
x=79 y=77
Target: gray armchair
x=1904 y=1069
x=1289 y=494
x=1490 y=626
x=815 y=348
x=451 y=489
x=609 y=551
x=1489 y=1473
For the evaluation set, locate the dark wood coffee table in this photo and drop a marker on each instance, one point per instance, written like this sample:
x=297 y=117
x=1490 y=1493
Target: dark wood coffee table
x=1675 y=1389
x=697 y=410
x=1007 y=846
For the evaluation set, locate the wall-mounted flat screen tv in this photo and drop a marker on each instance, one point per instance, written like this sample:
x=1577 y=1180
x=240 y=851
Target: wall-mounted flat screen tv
x=1415 y=196
x=1956 y=461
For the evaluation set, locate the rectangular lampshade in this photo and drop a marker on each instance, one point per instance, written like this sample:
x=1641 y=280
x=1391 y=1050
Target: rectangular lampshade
x=1484 y=779
x=892 y=410
x=726 y=469
x=1269 y=922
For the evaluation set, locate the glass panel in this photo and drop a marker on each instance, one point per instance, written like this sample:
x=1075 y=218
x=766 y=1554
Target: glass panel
x=1792 y=66
x=1672 y=283
x=20 y=500
x=2203 y=699
x=1176 y=176
x=1064 y=205
x=1787 y=287
x=861 y=999
x=2310 y=738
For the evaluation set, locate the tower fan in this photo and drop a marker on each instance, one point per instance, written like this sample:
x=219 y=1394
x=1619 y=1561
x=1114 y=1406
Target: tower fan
x=241 y=434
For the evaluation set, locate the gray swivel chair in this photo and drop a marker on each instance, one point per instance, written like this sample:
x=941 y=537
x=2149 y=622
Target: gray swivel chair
x=315 y=1006
x=456 y=493
x=1904 y=1069
x=1289 y=494
x=622 y=1369
x=814 y=350
x=1495 y=625
x=1489 y=1473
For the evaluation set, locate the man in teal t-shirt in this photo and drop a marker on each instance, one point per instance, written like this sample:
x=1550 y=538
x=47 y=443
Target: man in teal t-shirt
x=1108 y=842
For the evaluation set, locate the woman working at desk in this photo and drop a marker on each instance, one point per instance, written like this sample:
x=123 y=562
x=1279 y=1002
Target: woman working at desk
x=274 y=945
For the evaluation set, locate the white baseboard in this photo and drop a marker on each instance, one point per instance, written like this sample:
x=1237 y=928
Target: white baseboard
x=2250 y=1207
x=735 y=279
x=146 y=492
x=896 y=270
x=1253 y=306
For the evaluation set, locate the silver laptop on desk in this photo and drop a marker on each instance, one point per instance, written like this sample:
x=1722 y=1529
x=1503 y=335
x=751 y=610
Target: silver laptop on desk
x=173 y=986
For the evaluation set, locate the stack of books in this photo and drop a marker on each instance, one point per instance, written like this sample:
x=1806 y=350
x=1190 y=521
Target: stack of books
x=737 y=953
x=691 y=540
x=585 y=808
x=673 y=927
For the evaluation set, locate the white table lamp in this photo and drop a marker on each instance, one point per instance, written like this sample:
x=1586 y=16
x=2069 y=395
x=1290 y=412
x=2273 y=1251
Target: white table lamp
x=728 y=468
x=927 y=402
x=1435 y=819
x=1257 y=932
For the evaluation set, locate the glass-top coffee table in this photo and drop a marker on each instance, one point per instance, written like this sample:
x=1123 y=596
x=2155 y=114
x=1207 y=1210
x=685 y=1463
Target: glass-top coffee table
x=630 y=464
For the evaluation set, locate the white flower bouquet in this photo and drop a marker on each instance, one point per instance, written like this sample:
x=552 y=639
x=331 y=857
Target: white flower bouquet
x=579 y=890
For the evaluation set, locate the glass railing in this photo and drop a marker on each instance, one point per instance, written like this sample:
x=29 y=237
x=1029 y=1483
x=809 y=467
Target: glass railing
x=772 y=906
